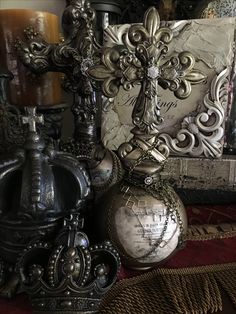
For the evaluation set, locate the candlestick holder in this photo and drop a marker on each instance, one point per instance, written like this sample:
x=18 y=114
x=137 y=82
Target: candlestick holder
x=12 y=131
x=24 y=88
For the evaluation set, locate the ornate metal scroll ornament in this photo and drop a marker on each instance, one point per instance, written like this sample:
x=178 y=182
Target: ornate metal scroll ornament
x=72 y=57
x=68 y=275
x=201 y=134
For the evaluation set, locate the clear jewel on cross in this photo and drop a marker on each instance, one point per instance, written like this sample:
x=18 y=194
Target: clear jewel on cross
x=153 y=72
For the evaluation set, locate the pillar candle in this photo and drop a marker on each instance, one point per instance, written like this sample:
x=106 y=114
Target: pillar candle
x=26 y=88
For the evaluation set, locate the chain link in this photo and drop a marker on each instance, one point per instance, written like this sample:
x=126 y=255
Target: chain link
x=146 y=153
x=159 y=189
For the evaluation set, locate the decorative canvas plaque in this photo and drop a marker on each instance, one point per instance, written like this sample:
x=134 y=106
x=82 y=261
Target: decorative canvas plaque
x=193 y=126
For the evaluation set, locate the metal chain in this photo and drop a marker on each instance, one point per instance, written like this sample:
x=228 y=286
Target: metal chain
x=160 y=239
x=171 y=203
x=145 y=154
x=116 y=174
x=158 y=189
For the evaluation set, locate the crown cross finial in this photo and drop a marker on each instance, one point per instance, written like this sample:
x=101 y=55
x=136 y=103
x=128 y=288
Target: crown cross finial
x=73 y=222
x=32 y=119
x=73 y=225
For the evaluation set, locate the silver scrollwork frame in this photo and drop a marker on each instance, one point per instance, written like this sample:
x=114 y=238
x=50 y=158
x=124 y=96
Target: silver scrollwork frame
x=202 y=134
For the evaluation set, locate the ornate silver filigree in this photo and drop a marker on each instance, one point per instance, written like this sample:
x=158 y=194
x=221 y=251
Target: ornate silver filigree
x=202 y=134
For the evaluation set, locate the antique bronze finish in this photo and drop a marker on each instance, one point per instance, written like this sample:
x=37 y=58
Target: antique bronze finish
x=72 y=57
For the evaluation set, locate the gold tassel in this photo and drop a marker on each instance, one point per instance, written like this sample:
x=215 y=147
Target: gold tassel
x=210 y=232
x=227 y=279
x=194 y=290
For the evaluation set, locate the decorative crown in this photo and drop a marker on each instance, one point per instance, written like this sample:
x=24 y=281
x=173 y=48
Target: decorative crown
x=69 y=276
x=34 y=186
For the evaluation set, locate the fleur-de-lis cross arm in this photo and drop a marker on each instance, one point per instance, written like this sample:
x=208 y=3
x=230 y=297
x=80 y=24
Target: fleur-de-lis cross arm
x=178 y=74
x=149 y=64
x=72 y=56
x=41 y=56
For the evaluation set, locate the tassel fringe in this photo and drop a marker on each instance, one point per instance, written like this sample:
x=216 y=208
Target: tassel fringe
x=195 y=290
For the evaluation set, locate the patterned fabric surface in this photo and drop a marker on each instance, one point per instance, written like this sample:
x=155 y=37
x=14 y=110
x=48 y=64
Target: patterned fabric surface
x=212 y=214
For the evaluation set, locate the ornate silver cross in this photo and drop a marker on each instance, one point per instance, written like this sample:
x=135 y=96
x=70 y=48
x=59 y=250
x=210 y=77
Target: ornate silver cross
x=144 y=59
x=32 y=119
x=145 y=63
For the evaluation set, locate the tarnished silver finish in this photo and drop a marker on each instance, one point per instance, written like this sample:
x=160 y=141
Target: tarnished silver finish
x=35 y=182
x=140 y=59
x=105 y=170
x=12 y=133
x=132 y=206
x=68 y=275
x=140 y=153
x=40 y=186
x=72 y=57
x=202 y=134
x=32 y=119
